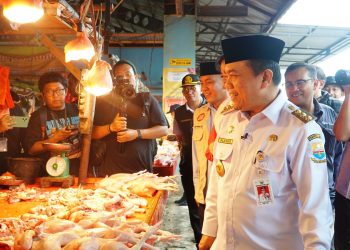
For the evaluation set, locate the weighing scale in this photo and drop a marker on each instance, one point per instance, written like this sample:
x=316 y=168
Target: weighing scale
x=57 y=166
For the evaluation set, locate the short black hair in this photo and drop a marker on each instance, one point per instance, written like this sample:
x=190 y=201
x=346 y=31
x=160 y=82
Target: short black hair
x=311 y=69
x=259 y=65
x=51 y=77
x=123 y=61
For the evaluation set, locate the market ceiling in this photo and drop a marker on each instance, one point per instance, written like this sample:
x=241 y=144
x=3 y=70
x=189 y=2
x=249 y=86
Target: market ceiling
x=140 y=23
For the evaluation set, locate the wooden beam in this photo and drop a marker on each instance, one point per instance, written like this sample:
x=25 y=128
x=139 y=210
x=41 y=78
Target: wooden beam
x=59 y=54
x=222 y=11
x=179 y=7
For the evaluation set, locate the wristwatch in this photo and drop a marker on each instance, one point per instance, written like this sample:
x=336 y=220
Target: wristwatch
x=139 y=136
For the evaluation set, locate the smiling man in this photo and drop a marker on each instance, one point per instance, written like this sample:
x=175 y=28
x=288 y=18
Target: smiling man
x=212 y=87
x=301 y=82
x=54 y=122
x=183 y=124
x=265 y=140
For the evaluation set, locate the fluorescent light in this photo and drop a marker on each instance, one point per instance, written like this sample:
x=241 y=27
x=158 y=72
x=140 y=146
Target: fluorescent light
x=333 y=13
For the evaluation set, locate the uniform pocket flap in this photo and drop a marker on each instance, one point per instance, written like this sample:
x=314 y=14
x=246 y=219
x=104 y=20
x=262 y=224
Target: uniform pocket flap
x=197 y=133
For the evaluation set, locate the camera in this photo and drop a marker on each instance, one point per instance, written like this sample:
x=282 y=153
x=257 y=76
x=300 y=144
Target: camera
x=124 y=88
x=342 y=77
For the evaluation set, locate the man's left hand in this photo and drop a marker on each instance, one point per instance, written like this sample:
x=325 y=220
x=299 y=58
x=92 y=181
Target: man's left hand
x=127 y=135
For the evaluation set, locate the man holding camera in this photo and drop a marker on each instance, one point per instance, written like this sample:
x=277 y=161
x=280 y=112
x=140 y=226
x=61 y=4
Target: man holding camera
x=342 y=197
x=127 y=121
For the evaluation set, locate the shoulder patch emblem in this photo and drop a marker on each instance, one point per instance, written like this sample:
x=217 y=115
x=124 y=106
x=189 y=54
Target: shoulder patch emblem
x=228 y=107
x=200 y=117
x=302 y=115
x=313 y=137
x=318 y=152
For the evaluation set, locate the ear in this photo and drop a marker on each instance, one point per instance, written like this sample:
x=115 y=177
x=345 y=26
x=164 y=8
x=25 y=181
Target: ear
x=316 y=84
x=266 y=78
x=321 y=83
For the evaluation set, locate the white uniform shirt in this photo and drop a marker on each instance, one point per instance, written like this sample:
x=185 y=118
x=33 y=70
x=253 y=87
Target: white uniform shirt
x=300 y=215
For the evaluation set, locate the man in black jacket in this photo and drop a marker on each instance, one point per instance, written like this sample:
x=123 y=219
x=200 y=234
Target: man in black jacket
x=183 y=124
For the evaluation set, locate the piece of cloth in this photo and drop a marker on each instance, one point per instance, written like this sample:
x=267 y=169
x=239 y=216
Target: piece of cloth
x=273 y=147
x=342 y=223
x=325 y=117
x=5 y=94
x=210 y=146
x=202 y=122
x=327 y=99
x=143 y=112
x=55 y=120
x=15 y=138
x=343 y=181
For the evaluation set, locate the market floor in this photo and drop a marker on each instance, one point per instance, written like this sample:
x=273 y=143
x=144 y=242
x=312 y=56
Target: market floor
x=177 y=221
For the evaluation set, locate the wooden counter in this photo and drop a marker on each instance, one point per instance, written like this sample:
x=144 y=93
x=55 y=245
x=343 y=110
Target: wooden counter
x=154 y=210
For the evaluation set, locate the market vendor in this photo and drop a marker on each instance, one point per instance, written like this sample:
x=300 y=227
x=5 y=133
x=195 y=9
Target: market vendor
x=127 y=120
x=54 y=122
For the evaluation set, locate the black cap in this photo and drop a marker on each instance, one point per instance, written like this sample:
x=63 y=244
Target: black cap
x=208 y=68
x=173 y=107
x=252 y=47
x=330 y=80
x=190 y=80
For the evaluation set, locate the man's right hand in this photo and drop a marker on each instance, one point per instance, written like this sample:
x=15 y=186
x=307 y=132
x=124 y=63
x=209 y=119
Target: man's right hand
x=206 y=242
x=61 y=135
x=118 y=124
x=6 y=123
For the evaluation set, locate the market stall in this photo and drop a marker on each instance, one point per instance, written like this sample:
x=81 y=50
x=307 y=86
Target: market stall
x=122 y=209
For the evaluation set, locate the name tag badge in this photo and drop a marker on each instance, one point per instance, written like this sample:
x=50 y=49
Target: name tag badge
x=263 y=192
x=3 y=144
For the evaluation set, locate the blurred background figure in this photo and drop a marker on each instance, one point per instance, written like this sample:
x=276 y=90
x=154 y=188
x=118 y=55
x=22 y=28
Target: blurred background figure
x=321 y=95
x=333 y=89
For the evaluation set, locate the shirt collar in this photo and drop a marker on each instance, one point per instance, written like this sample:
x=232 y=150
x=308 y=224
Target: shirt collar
x=273 y=110
x=317 y=109
x=202 y=103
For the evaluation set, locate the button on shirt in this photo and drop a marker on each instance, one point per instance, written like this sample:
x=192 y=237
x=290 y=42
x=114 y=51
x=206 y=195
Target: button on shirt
x=300 y=216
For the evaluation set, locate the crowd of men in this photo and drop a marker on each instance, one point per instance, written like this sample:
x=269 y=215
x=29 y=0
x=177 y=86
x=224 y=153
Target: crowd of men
x=260 y=169
x=265 y=170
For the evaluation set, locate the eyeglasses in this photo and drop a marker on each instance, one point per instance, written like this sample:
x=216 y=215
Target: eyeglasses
x=58 y=92
x=187 y=89
x=299 y=83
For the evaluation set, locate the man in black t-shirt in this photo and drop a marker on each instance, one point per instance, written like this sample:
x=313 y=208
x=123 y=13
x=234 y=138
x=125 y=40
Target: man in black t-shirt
x=54 y=122
x=128 y=126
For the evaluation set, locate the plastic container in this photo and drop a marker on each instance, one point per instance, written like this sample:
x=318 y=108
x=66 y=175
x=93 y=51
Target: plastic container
x=26 y=169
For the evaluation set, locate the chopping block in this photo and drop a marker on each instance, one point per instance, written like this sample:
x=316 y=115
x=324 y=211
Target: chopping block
x=64 y=182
